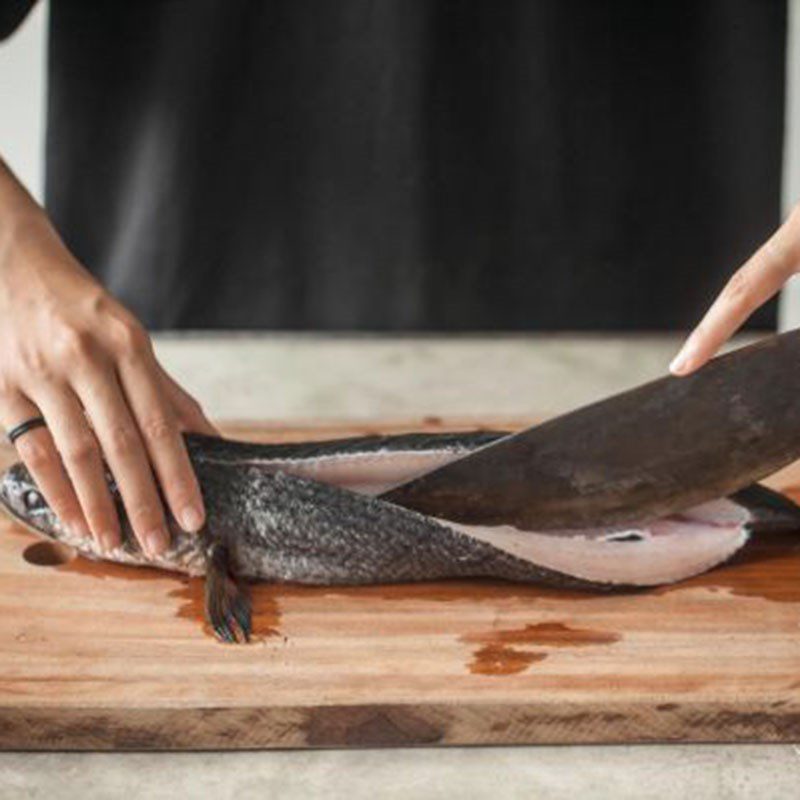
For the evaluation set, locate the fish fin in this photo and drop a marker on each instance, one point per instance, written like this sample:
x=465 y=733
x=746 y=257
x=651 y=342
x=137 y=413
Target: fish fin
x=227 y=602
x=772 y=512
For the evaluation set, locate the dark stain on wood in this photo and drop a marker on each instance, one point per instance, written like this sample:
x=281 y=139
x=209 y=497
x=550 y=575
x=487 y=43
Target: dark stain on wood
x=374 y=726
x=498 y=653
x=733 y=724
x=500 y=659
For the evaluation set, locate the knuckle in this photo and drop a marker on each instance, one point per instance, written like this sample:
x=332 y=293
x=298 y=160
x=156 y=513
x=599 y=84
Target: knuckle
x=79 y=450
x=144 y=516
x=121 y=439
x=181 y=491
x=34 y=362
x=74 y=345
x=158 y=430
x=129 y=338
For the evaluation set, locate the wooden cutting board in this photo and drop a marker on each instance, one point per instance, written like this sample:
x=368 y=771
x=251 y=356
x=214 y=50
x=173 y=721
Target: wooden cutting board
x=99 y=656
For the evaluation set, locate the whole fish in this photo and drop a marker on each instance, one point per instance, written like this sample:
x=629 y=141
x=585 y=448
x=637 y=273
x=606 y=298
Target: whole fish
x=310 y=513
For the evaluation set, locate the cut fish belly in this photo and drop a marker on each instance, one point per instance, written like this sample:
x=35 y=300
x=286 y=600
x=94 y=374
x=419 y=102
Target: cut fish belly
x=650 y=553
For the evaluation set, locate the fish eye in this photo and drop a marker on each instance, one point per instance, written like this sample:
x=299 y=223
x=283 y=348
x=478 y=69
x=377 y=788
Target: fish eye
x=33 y=500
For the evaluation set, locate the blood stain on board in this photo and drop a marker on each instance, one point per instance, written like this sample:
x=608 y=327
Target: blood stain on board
x=499 y=653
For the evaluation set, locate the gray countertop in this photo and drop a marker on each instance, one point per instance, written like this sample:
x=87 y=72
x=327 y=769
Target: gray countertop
x=326 y=378
x=345 y=377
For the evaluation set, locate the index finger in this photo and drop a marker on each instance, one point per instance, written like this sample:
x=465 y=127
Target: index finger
x=761 y=277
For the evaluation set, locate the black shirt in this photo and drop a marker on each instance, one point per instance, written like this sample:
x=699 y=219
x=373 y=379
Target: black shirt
x=414 y=164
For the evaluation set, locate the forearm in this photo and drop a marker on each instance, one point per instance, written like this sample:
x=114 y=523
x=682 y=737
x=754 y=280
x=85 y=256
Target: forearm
x=29 y=244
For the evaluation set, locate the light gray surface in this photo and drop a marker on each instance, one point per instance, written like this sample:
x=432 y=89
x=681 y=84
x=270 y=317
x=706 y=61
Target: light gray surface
x=302 y=377
x=22 y=100
x=511 y=773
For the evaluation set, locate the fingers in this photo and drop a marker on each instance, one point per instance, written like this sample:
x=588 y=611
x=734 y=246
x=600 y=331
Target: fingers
x=761 y=277
x=80 y=455
x=122 y=444
x=38 y=452
x=158 y=422
x=190 y=414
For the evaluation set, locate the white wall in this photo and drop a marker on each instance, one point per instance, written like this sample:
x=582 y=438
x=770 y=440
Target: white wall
x=789 y=314
x=22 y=70
x=22 y=73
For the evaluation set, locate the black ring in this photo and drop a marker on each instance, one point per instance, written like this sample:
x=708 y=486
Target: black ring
x=24 y=427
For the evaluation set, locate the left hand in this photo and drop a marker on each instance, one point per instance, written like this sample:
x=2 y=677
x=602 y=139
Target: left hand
x=761 y=277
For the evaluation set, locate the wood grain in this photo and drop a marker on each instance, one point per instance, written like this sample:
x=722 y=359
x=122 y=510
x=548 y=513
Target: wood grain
x=100 y=656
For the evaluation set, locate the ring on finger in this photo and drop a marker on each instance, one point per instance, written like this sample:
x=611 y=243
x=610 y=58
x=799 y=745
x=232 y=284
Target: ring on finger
x=24 y=427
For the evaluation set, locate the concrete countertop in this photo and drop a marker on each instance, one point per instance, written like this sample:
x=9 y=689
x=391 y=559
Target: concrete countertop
x=312 y=377
x=346 y=377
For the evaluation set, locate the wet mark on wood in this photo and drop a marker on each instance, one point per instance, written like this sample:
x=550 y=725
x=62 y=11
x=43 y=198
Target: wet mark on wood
x=498 y=653
x=500 y=659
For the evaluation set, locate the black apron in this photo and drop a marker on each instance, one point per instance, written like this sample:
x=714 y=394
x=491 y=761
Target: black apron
x=415 y=164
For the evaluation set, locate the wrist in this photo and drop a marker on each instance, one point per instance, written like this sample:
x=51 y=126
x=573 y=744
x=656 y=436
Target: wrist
x=29 y=241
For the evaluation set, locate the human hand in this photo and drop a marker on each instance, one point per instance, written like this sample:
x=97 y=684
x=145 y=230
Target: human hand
x=761 y=277
x=74 y=355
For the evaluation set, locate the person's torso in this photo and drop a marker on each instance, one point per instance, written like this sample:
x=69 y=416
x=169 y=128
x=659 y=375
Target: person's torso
x=409 y=165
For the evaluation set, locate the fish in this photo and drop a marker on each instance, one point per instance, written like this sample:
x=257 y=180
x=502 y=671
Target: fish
x=313 y=513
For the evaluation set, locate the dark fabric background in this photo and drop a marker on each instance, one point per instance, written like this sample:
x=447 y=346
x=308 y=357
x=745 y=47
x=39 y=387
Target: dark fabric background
x=416 y=164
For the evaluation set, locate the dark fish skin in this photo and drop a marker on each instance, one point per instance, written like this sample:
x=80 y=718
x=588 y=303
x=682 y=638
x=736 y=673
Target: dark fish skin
x=284 y=528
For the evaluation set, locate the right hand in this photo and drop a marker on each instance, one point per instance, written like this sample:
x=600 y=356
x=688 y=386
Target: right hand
x=74 y=355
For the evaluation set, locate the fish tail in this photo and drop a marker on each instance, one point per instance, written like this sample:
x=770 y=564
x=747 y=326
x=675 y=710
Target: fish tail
x=772 y=512
x=227 y=602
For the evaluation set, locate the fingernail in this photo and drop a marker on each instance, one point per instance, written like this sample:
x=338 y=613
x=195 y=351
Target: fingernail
x=156 y=541
x=108 y=541
x=678 y=364
x=191 y=519
x=682 y=362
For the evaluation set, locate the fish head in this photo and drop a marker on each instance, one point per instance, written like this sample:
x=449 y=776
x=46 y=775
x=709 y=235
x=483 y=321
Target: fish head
x=23 y=500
